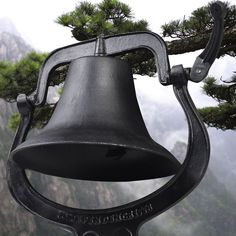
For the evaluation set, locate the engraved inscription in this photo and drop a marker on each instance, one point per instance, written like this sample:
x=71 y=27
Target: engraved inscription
x=105 y=219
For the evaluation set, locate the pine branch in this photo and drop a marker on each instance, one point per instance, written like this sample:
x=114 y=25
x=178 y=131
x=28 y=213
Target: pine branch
x=190 y=44
x=222 y=116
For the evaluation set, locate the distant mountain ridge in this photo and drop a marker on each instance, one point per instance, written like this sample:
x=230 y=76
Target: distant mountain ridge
x=6 y=25
x=12 y=45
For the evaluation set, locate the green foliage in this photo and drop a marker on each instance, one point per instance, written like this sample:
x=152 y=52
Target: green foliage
x=200 y=22
x=141 y=61
x=222 y=116
x=108 y=17
x=41 y=117
x=59 y=91
x=20 y=77
x=220 y=92
x=14 y=121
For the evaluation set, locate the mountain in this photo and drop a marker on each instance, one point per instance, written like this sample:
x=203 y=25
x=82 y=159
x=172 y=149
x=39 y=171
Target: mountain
x=12 y=46
x=6 y=25
x=167 y=125
x=210 y=210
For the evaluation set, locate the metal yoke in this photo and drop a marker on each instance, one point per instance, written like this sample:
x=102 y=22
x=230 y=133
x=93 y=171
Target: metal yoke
x=124 y=220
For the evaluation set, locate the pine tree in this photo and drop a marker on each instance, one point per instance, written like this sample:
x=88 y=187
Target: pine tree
x=108 y=17
x=111 y=17
x=222 y=116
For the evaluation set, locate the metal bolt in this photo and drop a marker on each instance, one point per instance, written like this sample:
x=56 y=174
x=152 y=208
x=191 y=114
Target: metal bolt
x=198 y=71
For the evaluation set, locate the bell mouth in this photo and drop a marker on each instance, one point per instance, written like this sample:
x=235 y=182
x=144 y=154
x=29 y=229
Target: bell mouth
x=96 y=161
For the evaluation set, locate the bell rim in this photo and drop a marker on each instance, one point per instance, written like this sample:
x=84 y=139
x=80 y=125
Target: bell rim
x=170 y=160
x=146 y=149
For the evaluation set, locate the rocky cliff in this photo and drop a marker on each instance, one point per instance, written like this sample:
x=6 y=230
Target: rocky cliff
x=12 y=46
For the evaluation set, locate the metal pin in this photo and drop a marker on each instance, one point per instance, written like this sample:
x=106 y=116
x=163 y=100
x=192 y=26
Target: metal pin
x=100 y=47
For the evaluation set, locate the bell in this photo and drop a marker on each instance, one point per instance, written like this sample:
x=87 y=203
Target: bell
x=97 y=131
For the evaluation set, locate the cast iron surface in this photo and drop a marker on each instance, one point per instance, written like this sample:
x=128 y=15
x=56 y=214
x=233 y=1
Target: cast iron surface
x=97 y=129
x=204 y=61
x=115 y=45
x=123 y=220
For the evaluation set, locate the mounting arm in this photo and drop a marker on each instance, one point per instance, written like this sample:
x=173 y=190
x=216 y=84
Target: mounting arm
x=115 y=45
x=205 y=60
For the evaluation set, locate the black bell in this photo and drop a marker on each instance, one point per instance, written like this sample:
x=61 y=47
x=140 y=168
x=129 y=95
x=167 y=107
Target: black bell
x=97 y=131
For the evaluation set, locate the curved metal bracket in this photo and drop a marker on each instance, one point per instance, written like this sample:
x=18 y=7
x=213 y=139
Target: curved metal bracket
x=205 y=60
x=118 y=44
x=123 y=220
x=115 y=45
x=25 y=109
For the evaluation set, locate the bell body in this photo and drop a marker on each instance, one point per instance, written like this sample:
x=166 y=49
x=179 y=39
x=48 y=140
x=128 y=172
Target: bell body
x=97 y=131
